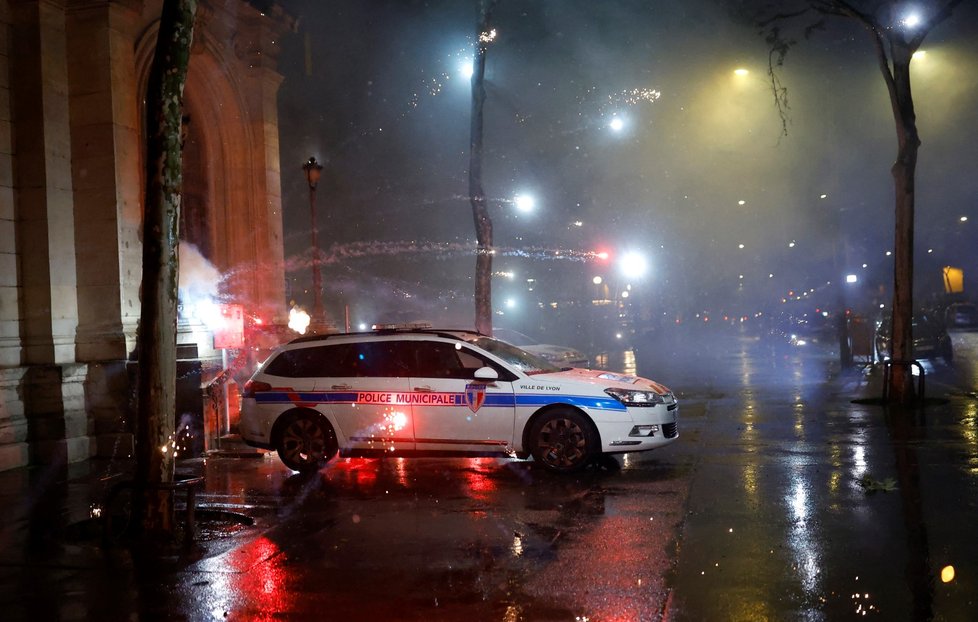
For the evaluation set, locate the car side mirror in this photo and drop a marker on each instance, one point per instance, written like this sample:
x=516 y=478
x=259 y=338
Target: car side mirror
x=486 y=373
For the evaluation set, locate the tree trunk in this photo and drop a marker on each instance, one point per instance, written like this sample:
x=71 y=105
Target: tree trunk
x=156 y=341
x=904 y=170
x=477 y=196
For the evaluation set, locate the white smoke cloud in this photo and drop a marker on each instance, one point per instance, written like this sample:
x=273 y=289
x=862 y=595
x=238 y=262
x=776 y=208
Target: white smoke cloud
x=199 y=287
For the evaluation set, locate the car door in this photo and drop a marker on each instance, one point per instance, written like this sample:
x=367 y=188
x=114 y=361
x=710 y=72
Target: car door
x=367 y=389
x=454 y=412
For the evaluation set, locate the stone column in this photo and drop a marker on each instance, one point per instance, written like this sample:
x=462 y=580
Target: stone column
x=45 y=221
x=107 y=182
x=45 y=233
x=13 y=424
x=106 y=176
x=257 y=46
x=10 y=348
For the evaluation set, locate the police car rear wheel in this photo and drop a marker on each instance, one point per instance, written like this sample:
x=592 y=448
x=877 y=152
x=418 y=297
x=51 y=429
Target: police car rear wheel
x=306 y=443
x=562 y=441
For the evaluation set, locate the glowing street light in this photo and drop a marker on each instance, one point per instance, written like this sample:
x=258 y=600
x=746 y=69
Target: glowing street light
x=524 y=203
x=633 y=265
x=466 y=68
x=740 y=71
x=911 y=20
x=616 y=124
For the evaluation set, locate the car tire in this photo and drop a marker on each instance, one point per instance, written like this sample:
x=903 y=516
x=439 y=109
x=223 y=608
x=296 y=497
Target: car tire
x=306 y=441
x=563 y=440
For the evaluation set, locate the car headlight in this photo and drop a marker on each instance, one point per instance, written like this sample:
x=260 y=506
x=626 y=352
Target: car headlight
x=630 y=397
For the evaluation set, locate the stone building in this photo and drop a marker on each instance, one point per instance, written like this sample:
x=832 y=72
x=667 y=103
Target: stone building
x=73 y=75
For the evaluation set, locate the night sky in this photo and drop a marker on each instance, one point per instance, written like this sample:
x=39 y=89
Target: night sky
x=699 y=167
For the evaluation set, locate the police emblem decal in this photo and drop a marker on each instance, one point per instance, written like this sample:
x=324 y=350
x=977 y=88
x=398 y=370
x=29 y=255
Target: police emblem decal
x=475 y=396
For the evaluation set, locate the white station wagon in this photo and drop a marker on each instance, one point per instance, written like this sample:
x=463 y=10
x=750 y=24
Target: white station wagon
x=442 y=393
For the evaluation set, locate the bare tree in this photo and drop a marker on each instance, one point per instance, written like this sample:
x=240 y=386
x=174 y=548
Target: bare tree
x=477 y=196
x=156 y=341
x=895 y=36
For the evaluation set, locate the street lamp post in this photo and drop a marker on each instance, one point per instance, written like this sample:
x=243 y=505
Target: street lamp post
x=313 y=170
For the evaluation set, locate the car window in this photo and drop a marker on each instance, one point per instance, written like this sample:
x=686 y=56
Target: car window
x=435 y=359
x=520 y=359
x=376 y=358
x=438 y=359
x=303 y=362
x=384 y=359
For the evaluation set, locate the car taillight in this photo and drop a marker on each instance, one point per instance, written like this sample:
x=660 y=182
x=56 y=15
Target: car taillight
x=251 y=387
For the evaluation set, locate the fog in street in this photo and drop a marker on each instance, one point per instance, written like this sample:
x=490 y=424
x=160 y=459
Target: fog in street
x=635 y=127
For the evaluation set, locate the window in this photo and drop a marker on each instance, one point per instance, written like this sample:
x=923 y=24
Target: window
x=373 y=358
x=437 y=359
x=384 y=359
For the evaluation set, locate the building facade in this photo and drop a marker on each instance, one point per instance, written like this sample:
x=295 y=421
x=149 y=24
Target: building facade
x=73 y=76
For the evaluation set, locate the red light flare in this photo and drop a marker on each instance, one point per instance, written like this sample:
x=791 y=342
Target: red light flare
x=478 y=477
x=361 y=472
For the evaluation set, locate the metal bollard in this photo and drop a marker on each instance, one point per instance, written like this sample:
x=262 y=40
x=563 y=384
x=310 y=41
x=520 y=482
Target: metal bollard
x=888 y=376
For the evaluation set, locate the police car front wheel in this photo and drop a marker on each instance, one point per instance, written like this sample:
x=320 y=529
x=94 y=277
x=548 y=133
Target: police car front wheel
x=306 y=442
x=563 y=440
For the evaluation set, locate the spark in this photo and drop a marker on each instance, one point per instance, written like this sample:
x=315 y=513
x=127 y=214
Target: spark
x=635 y=96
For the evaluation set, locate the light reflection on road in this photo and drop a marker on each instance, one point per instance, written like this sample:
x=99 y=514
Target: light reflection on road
x=804 y=548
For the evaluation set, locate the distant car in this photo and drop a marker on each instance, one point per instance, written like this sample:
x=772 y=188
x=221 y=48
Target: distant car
x=930 y=339
x=561 y=356
x=445 y=392
x=961 y=315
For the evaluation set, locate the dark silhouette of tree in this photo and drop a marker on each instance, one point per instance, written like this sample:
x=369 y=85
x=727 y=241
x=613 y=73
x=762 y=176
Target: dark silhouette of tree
x=156 y=340
x=895 y=36
x=477 y=196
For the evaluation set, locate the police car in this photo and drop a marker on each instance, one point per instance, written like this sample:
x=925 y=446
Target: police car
x=421 y=391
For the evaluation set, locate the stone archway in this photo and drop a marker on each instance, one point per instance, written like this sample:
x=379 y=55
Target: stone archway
x=231 y=190
x=231 y=199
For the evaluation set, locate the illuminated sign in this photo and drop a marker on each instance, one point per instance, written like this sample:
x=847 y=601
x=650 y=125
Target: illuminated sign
x=953 y=280
x=231 y=332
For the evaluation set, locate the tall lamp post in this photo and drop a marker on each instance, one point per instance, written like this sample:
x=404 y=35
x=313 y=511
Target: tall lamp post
x=313 y=170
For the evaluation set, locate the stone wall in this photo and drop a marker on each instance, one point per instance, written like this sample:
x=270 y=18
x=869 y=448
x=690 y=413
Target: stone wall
x=71 y=184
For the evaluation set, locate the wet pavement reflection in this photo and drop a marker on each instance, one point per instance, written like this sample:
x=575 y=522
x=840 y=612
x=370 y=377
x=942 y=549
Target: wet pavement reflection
x=835 y=510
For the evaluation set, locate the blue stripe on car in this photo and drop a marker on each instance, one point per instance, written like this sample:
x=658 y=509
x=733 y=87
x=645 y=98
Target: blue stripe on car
x=492 y=399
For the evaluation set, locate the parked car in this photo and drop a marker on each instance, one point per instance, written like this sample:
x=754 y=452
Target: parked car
x=561 y=356
x=445 y=392
x=930 y=339
x=961 y=315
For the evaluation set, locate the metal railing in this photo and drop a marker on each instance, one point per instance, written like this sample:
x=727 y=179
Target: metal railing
x=188 y=485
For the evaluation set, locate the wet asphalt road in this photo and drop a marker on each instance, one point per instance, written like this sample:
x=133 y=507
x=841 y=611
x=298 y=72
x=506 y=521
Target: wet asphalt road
x=763 y=510
x=807 y=506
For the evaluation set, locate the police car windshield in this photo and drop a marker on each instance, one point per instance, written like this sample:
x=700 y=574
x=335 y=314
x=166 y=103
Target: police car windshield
x=520 y=359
